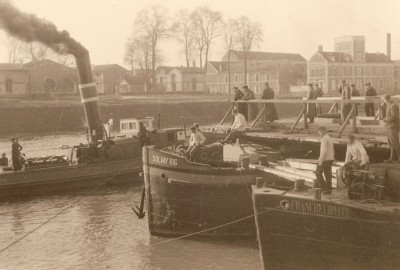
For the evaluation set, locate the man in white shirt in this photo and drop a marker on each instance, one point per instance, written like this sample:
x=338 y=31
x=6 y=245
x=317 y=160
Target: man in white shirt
x=325 y=162
x=197 y=139
x=238 y=127
x=356 y=151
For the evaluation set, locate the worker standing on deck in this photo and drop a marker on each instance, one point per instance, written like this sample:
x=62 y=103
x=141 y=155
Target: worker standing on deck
x=311 y=107
x=251 y=107
x=270 y=113
x=242 y=107
x=238 y=127
x=143 y=135
x=16 y=153
x=319 y=93
x=370 y=107
x=197 y=140
x=346 y=95
x=392 y=126
x=3 y=160
x=355 y=151
x=325 y=162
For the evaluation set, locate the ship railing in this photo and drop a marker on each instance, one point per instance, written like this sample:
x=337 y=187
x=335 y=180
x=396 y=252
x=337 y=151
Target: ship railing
x=335 y=101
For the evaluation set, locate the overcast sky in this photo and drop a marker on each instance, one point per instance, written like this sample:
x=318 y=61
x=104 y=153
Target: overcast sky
x=296 y=26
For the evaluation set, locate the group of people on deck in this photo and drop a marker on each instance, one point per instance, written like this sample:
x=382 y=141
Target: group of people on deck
x=250 y=110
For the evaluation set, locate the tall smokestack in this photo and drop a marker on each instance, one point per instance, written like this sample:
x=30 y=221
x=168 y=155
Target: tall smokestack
x=320 y=48
x=30 y=28
x=389 y=45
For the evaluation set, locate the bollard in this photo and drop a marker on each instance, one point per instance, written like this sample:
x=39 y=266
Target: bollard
x=317 y=193
x=263 y=160
x=259 y=182
x=299 y=185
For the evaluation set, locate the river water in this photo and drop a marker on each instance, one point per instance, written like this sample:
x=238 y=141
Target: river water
x=97 y=229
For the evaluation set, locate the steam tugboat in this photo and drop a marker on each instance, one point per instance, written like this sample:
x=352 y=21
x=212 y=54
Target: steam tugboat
x=355 y=227
x=102 y=160
x=206 y=197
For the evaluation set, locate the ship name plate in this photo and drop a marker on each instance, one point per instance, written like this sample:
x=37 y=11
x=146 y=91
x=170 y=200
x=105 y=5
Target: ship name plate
x=318 y=208
x=165 y=160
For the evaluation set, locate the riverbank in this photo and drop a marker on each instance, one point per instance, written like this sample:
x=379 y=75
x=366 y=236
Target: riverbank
x=57 y=116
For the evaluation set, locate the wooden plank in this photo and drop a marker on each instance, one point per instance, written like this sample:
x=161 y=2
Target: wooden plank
x=226 y=114
x=346 y=121
x=289 y=176
x=258 y=116
x=303 y=111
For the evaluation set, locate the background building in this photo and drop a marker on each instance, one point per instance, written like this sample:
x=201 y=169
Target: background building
x=281 y=70
x=351 y=63
x=108 y=78
x=13 y=79
x=48 y=77
x=180 y=79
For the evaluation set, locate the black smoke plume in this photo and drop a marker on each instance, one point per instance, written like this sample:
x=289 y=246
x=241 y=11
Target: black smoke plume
x=29 y=28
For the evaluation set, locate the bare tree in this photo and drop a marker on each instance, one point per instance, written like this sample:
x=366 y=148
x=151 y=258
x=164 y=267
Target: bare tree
x=152 y=25
x=182 y=27
x=230 y=42
x=249 y=34
x=14 y=49
x=35 y=51
x=206 y=27
x=138 y=54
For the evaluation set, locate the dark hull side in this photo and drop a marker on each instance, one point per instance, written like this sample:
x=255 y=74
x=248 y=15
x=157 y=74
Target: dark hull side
x=338 y=237
x=185 y=198
x=69 y=177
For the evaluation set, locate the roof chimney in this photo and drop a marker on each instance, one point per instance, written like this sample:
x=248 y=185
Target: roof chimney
x=320 y=48
x=389 y=45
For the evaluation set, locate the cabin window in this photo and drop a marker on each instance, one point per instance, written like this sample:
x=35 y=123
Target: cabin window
x=125 y=126
x=9 y=85
x=132 y=125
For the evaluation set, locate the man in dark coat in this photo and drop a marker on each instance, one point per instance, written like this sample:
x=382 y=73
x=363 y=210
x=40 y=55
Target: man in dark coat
x=252 y=109
x=16 y=154
x=270 y=113
x=392 y=126
x=311 y=107
x=370 y=107
x=319 y=92
x=241 y=106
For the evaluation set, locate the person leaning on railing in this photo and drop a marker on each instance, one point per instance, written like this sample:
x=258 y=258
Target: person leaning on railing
x=392 y=126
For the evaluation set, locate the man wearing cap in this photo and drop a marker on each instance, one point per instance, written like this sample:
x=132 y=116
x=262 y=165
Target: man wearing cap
x=238 y=127
x=251 y=107
x=319 y=93
x=197 y=140
x=325 y=161
x=355 y=151
x=270 y=113
x=392 y=126
x=370 y=107
x=311 y=107
x=16 y=154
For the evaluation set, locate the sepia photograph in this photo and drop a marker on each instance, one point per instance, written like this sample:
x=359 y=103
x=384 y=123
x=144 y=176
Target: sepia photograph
x=199 y=135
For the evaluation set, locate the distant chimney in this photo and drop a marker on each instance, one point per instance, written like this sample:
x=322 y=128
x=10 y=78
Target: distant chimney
x=194 y=63
x=389 y=45
x=320 y=48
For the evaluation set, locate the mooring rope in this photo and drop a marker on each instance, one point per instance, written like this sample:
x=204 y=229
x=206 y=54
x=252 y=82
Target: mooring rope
x=60 y=212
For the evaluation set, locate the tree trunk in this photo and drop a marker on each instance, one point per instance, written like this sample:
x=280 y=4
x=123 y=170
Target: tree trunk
x=187 y=55
x=229 y=76
x=206 y=58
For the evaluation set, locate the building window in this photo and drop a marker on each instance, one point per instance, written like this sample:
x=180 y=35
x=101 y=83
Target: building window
x=348 y=71
x=359 y=71
x=359 y=84
x=257 y=77
x=368 y=71
x=333 y=71
x=258 y=88
x=379 y=72
x=236 y=78
x=194 y=84
x=9 y=86
x=321 y=72
x=341 y=72
x=161 y=79
x=388 y=71
x=333 y=85
x=268 y=77
x=321 y=84
x=226 y=78
x=388 y=84
x=312 y=72
x=380 y=84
